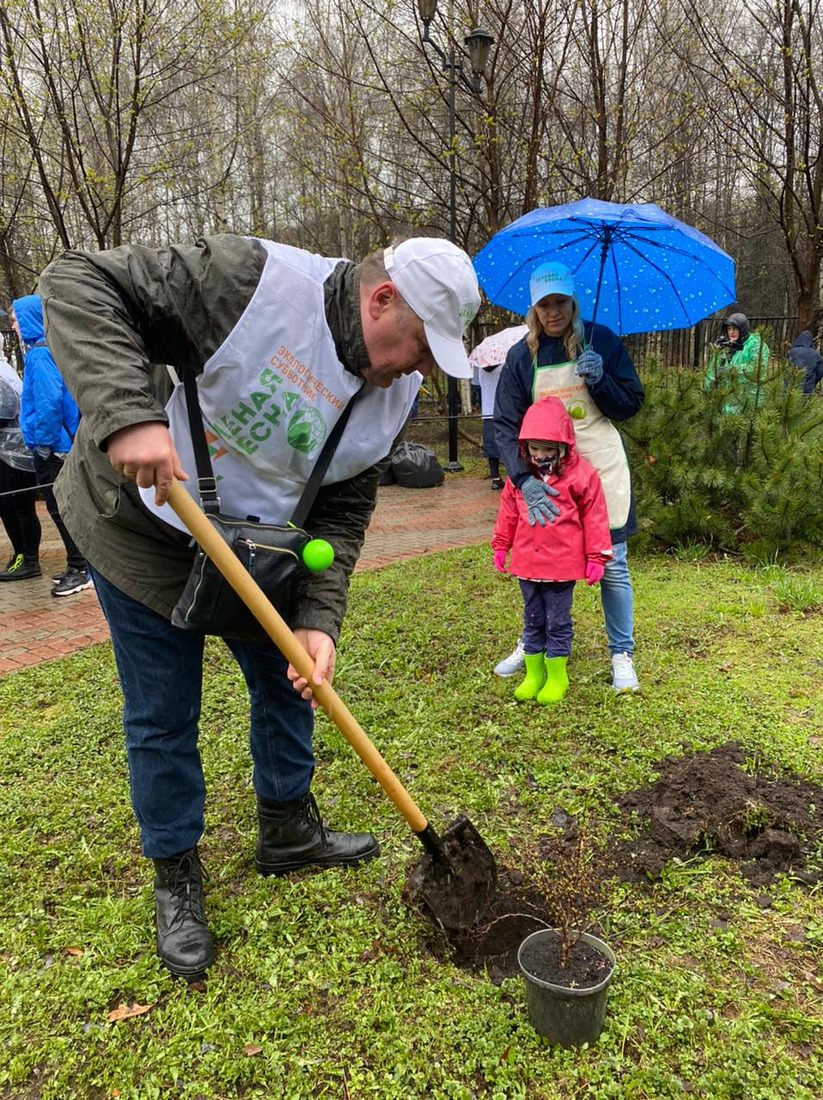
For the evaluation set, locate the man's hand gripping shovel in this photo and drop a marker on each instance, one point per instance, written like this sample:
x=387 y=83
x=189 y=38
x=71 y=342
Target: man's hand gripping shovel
x=455 y=880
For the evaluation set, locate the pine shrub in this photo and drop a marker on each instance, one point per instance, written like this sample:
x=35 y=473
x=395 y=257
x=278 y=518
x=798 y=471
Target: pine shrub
x=748 y=480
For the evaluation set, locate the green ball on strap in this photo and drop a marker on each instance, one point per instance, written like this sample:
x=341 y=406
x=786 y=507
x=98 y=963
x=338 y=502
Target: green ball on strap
x=318 y=555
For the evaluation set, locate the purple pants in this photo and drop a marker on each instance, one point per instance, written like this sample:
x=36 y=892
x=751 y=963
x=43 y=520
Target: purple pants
x=547 y=617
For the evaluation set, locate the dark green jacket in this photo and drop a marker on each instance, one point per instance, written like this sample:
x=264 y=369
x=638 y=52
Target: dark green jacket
x=113 y=319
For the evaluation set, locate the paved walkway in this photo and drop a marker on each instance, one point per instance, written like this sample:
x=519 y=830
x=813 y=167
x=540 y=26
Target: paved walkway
x=35 y=627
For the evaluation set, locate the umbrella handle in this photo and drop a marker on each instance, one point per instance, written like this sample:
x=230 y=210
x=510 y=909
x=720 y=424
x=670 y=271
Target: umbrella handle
x=604 y=252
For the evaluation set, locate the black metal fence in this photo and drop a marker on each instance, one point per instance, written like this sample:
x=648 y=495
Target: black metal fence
x=687 y=346
x=675 y=347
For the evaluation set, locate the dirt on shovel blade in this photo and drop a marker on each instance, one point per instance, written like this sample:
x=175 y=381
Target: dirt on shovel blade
x=458 y=894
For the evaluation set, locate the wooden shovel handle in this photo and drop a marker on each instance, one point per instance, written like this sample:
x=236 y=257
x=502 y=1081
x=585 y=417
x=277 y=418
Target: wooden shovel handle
x=272 y=622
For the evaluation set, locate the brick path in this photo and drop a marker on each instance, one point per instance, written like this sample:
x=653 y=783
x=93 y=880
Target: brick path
x=35 y=627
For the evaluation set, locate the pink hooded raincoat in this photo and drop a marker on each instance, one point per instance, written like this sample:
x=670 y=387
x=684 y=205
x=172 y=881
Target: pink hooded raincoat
x=560 y=550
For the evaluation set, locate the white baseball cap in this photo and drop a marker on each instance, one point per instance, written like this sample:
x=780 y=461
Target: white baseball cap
x=438 y=281
x=551 y=278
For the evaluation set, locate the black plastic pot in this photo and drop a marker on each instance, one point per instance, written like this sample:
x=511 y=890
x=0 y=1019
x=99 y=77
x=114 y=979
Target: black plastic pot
x=566 y=1016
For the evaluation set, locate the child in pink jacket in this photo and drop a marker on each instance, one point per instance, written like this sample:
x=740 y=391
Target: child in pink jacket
x=548 y=559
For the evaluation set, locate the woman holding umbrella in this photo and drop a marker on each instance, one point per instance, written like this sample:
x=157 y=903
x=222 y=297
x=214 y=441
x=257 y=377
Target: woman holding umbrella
x=587 y=367
x=643 y=271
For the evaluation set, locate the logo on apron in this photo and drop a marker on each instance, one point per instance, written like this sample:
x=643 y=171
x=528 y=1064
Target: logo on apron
x=306 y=430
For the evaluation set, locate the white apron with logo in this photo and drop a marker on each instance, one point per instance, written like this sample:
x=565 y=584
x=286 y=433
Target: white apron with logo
x=597 y=439
x=272 y=393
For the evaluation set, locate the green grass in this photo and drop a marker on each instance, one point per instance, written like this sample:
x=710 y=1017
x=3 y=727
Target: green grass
x=798 y=593
x=328 y=974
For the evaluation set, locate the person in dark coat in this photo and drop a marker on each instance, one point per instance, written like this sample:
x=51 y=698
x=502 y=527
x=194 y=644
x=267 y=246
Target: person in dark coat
x=804 y=356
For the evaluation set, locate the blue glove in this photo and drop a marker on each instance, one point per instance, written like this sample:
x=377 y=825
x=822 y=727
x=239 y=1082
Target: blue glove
x=590 y=366
x=536 y=495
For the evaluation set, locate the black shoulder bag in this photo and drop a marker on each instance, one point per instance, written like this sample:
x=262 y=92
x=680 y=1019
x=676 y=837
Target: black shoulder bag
x=271 y=553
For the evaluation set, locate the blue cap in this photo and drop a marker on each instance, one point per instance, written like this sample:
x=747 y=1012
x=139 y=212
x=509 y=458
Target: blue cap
x=551 y=278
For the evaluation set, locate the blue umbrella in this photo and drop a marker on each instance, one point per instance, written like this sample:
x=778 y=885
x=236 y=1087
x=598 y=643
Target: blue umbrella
x=636 y=269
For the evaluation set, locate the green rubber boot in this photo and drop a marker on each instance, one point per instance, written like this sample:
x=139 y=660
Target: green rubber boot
x=535 y=677
x=557 y=682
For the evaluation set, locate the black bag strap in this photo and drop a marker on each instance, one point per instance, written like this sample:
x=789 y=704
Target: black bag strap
x=206 y=483
x=303 y=506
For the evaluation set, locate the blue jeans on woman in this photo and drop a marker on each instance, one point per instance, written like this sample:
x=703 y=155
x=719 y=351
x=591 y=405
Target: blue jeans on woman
x=161 y=675
x=618 y=602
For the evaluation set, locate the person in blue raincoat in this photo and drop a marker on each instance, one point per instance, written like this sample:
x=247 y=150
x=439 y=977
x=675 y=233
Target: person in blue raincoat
x=589 y=370
x=18 y=514
x=49 y=419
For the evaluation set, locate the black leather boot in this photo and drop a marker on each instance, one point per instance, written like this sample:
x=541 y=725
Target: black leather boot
x=292 y=835
x=184 y=941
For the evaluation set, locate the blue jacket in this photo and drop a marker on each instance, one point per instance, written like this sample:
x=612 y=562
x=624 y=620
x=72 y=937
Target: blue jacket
x=618 y=395
x=804 y=356
x=48 y=414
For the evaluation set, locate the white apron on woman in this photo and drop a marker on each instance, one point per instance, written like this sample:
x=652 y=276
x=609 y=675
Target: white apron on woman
x=596 y=437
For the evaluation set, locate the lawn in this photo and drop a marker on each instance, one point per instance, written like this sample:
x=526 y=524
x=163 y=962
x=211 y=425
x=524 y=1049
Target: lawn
x=326 y=985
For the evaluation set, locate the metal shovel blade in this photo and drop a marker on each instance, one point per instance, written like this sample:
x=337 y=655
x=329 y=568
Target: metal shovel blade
x=457 y=891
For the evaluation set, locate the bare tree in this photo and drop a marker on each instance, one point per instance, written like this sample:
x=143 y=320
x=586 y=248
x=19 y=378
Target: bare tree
x=325 y=123
x=770 y=81
x=20 y=220
x=97 y=92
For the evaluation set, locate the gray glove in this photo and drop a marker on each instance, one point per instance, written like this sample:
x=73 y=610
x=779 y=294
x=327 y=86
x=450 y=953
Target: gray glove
x=537 y=496
x=590 y=366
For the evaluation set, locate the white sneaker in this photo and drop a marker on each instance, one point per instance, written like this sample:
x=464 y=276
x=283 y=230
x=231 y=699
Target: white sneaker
x=515 y=662
x=624 y=678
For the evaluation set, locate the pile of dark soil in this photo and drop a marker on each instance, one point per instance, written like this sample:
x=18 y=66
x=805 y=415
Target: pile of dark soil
x=705 y=804
x=516 y=911
x=709 y=803
x=559 y=888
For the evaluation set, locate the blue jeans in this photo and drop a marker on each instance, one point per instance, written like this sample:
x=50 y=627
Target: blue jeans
x=618 y=602
x=161 y=675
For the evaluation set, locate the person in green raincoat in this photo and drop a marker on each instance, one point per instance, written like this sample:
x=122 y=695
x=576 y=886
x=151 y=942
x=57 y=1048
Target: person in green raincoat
x=738 y=362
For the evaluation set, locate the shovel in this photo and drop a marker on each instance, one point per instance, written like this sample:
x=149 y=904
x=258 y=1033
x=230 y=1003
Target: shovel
x=455 y=880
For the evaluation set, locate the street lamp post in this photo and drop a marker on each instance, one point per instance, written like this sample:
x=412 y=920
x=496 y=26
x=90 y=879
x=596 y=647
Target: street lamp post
x=479 y=43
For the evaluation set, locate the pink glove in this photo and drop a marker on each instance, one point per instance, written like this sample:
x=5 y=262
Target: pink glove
x=500 y=561
x=594 y=572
